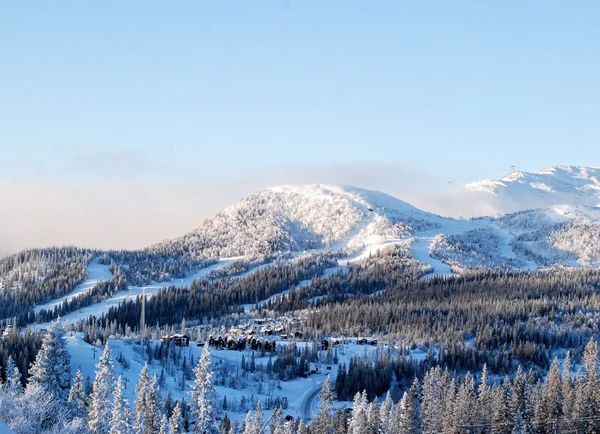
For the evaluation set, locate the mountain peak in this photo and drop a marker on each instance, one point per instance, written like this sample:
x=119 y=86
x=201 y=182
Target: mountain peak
x=293 y=218
x=555 y=185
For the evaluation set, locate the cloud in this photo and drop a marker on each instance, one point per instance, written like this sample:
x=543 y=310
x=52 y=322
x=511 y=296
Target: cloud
x=136 y=212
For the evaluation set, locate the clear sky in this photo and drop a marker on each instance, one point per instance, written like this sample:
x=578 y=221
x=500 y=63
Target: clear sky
x=154 y=90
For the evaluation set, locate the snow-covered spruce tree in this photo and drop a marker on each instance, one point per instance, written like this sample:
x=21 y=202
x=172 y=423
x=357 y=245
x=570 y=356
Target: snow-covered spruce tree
x=552 y=400
x=484 y=398
x=501 y=417
x=323 y=421
x=203 y=396
x=520 y=401
x=373 y=421
x=13 y=377
x=257 y=422
x=277 y=426
x=175 y=421
x=466 y=402
x=448 y=387
x=153 y=411
x=589 y=403
x=141 y=390
x=385 y=415
x=358 y=422
x=568 y=393
x=148 y=411
x=164 y=425
x=302 y=428
x=35 y=411
x=433 y=399
x=120 y=421
x=77 y=398
x=99 y=414
x=52 y=366
x=249 y=424
x=409 y=411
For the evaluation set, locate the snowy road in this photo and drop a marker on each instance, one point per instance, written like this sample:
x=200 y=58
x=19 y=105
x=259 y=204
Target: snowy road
x=308 y=402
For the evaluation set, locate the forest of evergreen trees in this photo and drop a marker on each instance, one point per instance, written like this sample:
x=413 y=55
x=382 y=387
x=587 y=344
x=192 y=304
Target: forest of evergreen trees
x=566 y=400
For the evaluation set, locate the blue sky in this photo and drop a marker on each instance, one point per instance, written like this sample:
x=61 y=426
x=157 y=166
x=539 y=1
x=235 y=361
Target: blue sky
x=458 y=90
x=126 y=122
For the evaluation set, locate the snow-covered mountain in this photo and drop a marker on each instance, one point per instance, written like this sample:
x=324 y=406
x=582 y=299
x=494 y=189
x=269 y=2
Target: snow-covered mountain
x=558 y=185
x=339 y=223
x=354 y=222
x=289 y=219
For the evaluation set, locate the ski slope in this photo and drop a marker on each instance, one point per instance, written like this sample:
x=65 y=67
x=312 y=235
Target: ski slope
x=96 y=272
x=98 y=309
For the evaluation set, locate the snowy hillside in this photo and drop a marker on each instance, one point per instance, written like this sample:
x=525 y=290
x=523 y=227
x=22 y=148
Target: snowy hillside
x=290 y=219
x=354 y=223
x=558 y=185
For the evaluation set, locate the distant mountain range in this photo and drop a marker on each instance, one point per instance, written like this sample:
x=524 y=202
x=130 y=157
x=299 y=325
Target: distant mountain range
x=558 y=185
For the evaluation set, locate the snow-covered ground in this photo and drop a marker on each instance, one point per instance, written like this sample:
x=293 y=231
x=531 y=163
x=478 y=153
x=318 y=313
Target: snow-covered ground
x=301 y=393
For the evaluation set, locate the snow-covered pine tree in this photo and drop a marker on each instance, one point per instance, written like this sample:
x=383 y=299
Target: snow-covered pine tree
x=77 y=398
x=164 y=425
x=13 y=377
x=249 y=424
x=553 y=399
x=120 y=421
x=590 y=389
x=141 y=392
x=568 y=393
x=203 y=396
x=466 y=402
x=432 y=403
x=148 y=409
x=153 y=409
x=385 y=414
x=484 y=398
x=409 y=417
x=501 y=417
x=358 y=421
x=99 y=413
x=277 y=422
x=175 y=421
x=302 y=428
x=519 y=425
x=257 y=422
x=373 y=418
x=520 y=401
x=323 y=423
x=52 y=366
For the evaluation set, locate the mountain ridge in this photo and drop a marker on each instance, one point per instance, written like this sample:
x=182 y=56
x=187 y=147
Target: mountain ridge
x=555 y=185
